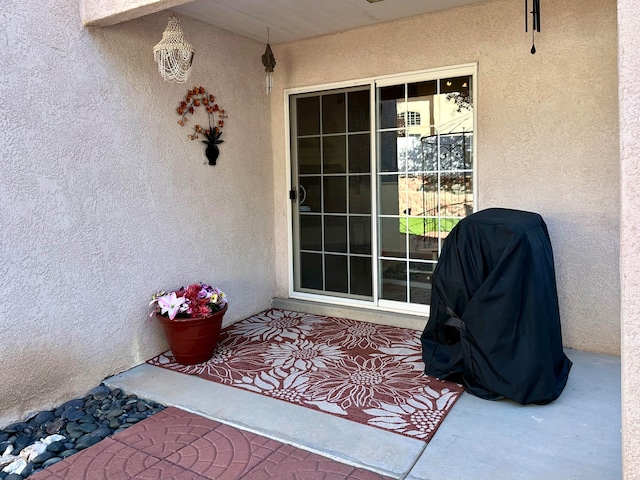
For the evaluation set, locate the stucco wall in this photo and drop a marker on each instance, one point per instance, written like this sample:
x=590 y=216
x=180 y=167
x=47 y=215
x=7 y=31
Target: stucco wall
x=629 y=66
x=547 y=129
x=104 y=199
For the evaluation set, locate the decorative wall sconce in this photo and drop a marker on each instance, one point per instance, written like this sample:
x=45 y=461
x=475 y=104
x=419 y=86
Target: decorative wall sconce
x=269 y=62
x=535 y=24
x=174 y=55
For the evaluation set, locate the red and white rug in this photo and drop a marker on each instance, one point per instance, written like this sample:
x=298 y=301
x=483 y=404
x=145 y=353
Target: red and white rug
x=364 y=372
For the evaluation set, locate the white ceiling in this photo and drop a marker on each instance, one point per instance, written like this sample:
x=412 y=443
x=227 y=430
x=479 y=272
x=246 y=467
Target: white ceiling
x=290 y=20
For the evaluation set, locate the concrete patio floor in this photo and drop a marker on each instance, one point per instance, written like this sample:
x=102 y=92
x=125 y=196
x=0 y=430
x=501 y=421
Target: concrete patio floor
x=578 y=436
x=575 y=437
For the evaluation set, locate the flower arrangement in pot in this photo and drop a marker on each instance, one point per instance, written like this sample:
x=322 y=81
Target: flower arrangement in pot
x=191 y=318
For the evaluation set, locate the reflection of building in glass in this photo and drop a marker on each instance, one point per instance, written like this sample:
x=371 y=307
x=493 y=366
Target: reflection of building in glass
x=412 y=118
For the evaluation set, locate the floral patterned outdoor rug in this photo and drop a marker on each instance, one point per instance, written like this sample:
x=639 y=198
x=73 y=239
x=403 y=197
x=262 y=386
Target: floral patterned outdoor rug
x=367 y=373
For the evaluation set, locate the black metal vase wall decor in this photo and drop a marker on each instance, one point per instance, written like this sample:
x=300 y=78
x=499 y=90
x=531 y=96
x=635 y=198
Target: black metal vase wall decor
x=212 y=141
x=216 y=116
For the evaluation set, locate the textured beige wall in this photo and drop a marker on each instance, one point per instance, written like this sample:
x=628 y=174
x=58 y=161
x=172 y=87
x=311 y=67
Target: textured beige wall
x=547 y=129
x=104 y=200
x=629 y=67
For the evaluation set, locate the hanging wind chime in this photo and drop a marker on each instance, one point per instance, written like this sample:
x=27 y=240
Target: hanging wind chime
x=269 y=62
x=535 y=24
x=173 y=54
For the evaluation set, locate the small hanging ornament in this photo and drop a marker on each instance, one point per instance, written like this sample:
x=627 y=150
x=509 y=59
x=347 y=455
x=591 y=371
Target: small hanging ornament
x=269 y=62
x=173 y=55
x=535 y=16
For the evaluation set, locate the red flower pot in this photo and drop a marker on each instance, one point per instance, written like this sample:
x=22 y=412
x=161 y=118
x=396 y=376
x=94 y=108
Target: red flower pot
x=193 y=340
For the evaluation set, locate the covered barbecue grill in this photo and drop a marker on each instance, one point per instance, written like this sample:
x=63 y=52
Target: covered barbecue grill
x=495 y=322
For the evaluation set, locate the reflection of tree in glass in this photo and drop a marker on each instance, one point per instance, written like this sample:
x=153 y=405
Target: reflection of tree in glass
x=435 y=152
x=461 y=100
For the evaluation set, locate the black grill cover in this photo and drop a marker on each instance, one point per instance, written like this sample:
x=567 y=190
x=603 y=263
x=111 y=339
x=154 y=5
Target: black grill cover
x=495 y=322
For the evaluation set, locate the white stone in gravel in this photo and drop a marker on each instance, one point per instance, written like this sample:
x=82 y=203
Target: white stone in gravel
x=16 y=466
x=32 y=451
x=7 y=460
x=53 y=438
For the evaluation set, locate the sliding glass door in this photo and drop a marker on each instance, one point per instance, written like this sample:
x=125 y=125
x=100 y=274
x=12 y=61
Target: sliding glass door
x=331 y=148
x=381 y=173
x=425 y=179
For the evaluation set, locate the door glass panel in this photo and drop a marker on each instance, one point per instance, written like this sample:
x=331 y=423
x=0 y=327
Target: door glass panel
x=390 y=199
x=455 y=105
x=309 y=155
x=335 y=194
x=454 y=151
x=410 y=154
x=388 y=99
x=421 y=195
x=420 y=109
x=308 y=117
x=336 y=273
x=390 y=160
x=420 y=275
x=393 y=241
x=456 y=194
x=334 y=119
x=359 y=194
x=335 y=234
x=310 y=194
x=424 y=246
x=359 y=111
x=361 y=276
x=335 y=154
x=360 y=235
x=393 y=280
x=360 y=153
x=311 y=270
x=310 y=232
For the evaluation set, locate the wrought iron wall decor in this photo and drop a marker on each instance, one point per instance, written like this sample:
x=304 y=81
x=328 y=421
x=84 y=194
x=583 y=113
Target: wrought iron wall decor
x=216 y=116
x=535 y=21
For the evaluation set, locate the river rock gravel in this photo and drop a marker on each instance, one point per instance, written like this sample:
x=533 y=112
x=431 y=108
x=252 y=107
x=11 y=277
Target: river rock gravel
x=67 y=429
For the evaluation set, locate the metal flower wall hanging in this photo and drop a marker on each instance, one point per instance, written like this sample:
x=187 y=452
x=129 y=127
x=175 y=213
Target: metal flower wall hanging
x=195 y=98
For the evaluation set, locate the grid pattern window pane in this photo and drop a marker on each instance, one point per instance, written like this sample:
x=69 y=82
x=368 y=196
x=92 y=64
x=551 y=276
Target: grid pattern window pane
x=332 y=142
x=424 y=179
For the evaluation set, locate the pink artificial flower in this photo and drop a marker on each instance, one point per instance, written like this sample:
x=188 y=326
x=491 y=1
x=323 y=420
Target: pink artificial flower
x=170 y=304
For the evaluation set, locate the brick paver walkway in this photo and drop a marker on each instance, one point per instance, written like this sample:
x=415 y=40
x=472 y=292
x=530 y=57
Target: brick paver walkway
x=178 y=445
